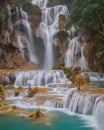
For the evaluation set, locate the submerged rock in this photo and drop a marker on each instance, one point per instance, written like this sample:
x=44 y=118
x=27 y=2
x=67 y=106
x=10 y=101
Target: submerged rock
x=36 y=114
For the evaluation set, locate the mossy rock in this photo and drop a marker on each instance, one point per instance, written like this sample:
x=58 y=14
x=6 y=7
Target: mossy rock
x=17 y=91
x=59 y=66
x=1 y=88
x=36 y=90
x=36 y=114
x=1 y=93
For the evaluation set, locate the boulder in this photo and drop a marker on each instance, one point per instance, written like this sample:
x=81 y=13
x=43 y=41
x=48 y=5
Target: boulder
x=36 y=114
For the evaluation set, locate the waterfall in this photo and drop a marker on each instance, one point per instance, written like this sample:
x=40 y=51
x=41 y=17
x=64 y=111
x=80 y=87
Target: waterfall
x=30 y=44
x=87 y=104
x=82 y=103
x=39 y=78
x=99 y=114
x=9 y=15
x=94 y=76
x=53 y=104
x=21 y=46
x=49 y=27
x=40 y=3
x=23 y=19
x=74 y=56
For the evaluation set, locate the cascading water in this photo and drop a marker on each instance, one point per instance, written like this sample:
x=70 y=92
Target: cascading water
x=74 y=56
x=76 y=102
x=87 y=104
x=39 y=78
x=82 y=103
x=21 y=46
x=93 y=76
x=49 y=27
x=40 y=3
x=9 y=15
x=23 y=19
x=99 y=114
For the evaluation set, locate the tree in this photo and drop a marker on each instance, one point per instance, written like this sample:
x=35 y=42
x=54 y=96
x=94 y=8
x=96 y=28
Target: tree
x=88 y=15
x=79 y=81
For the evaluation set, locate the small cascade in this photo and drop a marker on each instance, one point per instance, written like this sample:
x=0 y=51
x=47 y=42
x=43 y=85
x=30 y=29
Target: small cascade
x=94 y=76
x=30 y=43
x=40 y=78
x=41 y=3
x=23 y=19
x=21 y=46
x=53 y=104
x=82 y=103
x=99 y=114
x=9 y=15
x=50 y=19
x=87 y=104
x=74 y=56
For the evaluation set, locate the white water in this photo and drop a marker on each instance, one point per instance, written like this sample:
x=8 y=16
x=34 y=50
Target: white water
x=99 y=114
x=96 y=76
x=82 y=103
x=30 y=44
x=40 y=78
x=21 y=46
x=74 y=56
x=57 y=96
x=9 y=15
x=41 y=3
x=23 y=19
x=49 y=27
x=87 y=104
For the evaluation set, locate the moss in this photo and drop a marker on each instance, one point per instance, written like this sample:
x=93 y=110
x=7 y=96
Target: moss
x=91 y=90
x=1 y=88
x=28 y=7
x=58 y=2
x=59 y=66
x=62 y=36
x=2 y=14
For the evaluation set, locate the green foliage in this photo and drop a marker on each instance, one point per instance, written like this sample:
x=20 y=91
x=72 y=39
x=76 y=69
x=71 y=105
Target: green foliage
x=28 y=7
x=2 y=2
x=62 y=35
x=1 y=88
x=9 y=1
x=2 y=14
x=54 y=2
x=89 y=17
x=22 y=2
x=59 y=66
x=58 y=2
x=100 y=50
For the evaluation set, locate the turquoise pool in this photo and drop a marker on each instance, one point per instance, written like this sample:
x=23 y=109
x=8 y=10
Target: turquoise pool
x=61 y=122
x=97 y=84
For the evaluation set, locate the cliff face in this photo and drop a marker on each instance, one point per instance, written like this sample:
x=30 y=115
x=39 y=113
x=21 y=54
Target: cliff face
x=95 y=63
x=10 y=51
x=10 y=55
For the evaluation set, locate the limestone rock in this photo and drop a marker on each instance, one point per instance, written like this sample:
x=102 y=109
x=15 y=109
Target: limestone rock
x=17 y=91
